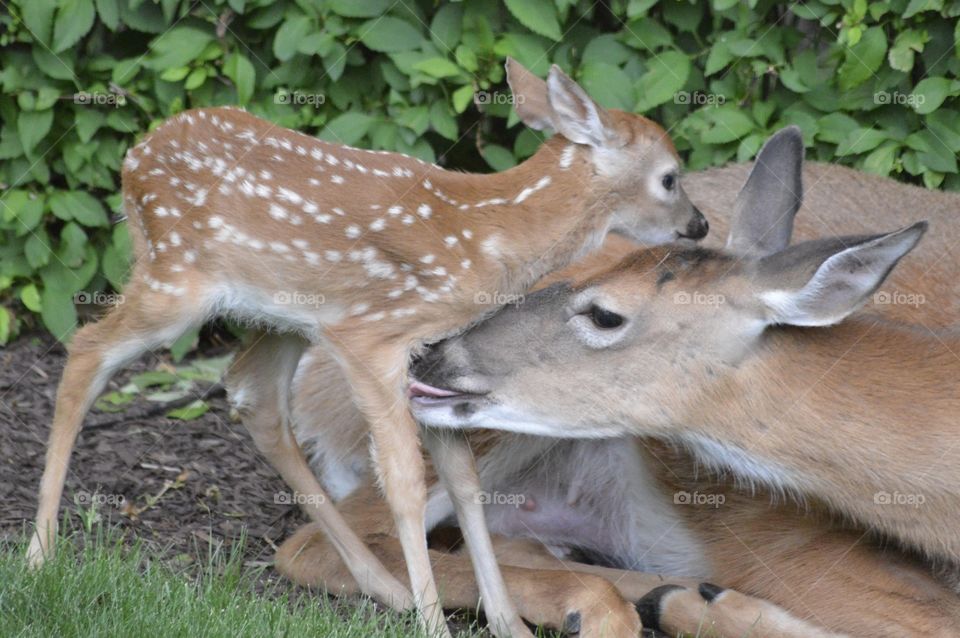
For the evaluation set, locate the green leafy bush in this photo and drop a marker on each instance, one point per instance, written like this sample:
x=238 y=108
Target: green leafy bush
x=872 y=85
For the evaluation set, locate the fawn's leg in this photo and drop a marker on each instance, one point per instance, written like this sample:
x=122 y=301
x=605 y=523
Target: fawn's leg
x=144 y=321
x=454 y=463
x=259 y=381
x=377 y=373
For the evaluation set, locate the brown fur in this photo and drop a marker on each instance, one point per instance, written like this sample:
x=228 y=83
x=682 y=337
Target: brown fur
x=836 y=577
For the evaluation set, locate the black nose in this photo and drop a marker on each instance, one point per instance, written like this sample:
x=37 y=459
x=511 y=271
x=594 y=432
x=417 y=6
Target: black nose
x=698 y=226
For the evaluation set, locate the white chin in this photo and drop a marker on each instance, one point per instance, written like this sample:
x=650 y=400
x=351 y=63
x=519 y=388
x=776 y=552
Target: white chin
x=652 y=237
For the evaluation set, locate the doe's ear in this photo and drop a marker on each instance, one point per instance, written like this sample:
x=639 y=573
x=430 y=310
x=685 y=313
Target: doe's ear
x=529 y=96
x=765 y=207
x=845 y=271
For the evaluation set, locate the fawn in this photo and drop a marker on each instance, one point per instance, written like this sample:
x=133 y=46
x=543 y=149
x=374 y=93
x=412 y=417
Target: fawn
x=801 y=562
x=372 y=254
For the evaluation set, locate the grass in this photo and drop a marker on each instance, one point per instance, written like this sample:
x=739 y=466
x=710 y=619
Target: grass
x=98 y=586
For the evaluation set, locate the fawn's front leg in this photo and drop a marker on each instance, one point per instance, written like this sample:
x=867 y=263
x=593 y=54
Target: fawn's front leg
x=377 y=376
x=454 y=463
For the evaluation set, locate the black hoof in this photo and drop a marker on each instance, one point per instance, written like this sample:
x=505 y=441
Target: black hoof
x=571 y=624
x=709 y=591
x=649 y=606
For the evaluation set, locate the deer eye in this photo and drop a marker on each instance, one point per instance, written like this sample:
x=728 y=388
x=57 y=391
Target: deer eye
x=669 y=181
x=605 y=319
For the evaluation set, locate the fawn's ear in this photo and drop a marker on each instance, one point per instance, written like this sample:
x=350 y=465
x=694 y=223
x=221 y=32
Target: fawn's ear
x=529 y=96
x=765 y=207
x=819 y=283
x=575 y=115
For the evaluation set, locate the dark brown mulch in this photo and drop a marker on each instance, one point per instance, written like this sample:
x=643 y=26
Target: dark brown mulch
x=228 y=488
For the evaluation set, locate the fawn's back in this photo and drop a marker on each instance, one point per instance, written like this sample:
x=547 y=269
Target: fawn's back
x=221 y=201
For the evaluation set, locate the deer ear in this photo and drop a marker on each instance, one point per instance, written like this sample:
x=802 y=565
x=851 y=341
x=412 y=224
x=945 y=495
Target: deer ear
x=529 y=96
x=765 y=207
x=575 y=115
x=819 y=283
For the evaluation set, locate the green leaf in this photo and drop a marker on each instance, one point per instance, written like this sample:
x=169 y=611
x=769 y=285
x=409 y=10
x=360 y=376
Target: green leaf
x=80 y=206
x=389 y=35
x=442 y=121
x=725 y=124
x=445 y=28
x=33 y=126
x=189 y=412
x=58 y=67
x=30 y=297
x=929 y=94
x=240 y=70
x=438 y=67
x=666 y=74
x=37 y=251
x=109 y=11
x=359 y=8
x=462 y=98
x=608 y=85
x=289 y=35
x=88 y=121
x=175 y=74
x=335 y=61
x=74 y=19
x=861 y=140
x=499 y=158
x=540 y=16
x=882 y=160
x=153 y=379
x=863 y=59
x=6 y=325
x=58 y=313
x=718 y=58
x=835 y=127
x=348 y=128
x=902 y=52
x=38 y=16
x=919 y=6
x=196 y=79
x=184 y=344
x=178 y=47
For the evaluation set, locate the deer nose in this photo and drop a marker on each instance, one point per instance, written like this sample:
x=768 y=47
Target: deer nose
x=698 y=226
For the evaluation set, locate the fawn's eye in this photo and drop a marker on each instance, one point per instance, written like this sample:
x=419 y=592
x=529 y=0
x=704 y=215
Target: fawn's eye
x=605 y=319
x=669 y=181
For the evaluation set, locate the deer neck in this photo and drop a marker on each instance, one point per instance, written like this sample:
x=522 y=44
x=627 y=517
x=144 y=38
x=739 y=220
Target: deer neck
x=551 y=206
x=851 y=415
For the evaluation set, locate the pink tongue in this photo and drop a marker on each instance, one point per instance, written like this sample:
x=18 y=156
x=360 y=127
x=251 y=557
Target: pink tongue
x=418 y=389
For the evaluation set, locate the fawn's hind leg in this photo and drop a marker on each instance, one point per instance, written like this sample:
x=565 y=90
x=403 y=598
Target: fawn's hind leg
x=259 y=381
x=143 y=321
